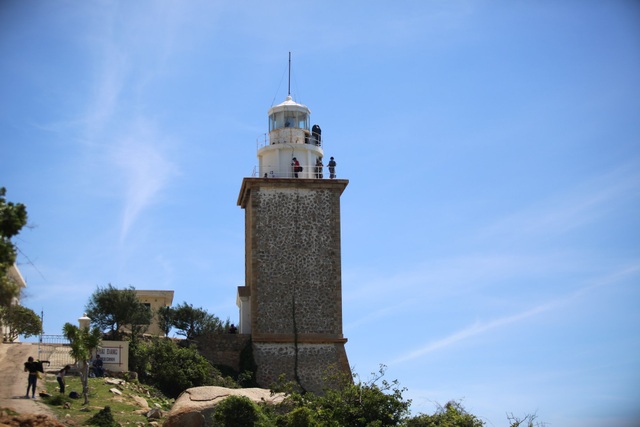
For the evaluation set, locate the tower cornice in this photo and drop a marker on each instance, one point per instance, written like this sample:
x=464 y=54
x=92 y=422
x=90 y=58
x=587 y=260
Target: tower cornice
x=249 y=184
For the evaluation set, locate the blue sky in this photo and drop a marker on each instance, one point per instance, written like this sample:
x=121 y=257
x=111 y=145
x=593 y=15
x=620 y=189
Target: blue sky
x=491 y=225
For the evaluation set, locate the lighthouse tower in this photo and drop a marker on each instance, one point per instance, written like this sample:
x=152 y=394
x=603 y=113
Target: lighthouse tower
x=291 y=303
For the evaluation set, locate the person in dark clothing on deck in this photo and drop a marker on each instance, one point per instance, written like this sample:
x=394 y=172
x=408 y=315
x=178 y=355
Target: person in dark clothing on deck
x=332 y=168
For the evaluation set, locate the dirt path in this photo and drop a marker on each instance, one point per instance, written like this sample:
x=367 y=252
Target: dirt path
x=13 y=379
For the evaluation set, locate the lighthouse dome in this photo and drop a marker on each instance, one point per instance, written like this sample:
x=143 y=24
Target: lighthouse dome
x=289 y=114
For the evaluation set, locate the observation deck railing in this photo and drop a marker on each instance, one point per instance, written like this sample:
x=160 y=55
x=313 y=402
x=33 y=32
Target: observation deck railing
x=265 y=141
x=308 y=172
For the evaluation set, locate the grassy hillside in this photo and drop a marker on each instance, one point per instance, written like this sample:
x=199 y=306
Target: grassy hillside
x=124 y=407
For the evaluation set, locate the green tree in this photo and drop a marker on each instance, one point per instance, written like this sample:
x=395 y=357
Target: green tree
x=9 y=289
x=193 y=322
x=13 y=216
x=83 y=342
x=112 y=309
x=165 y=319
x=19 y=320
x=451 y=415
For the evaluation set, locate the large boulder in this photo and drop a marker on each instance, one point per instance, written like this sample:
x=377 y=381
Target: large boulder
x=193 y=408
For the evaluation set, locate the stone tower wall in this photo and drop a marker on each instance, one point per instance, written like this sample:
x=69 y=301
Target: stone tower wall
x=295 y=260
x=223 y=349
x=314 y=364
x=293 y=270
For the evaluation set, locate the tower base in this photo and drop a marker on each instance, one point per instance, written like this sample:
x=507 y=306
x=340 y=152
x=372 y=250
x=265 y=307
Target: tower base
x=314 y=367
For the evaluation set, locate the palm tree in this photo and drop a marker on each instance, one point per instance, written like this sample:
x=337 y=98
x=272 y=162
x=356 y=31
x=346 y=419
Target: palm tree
x=83 y=343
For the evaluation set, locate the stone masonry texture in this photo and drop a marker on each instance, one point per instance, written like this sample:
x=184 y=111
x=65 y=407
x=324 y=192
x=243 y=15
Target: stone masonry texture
x=296 y=260
x=293 y=268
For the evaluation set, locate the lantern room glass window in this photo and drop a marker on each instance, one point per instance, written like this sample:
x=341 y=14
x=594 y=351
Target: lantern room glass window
x=289 y=119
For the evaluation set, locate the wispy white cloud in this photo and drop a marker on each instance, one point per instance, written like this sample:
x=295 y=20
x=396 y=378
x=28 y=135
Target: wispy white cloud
x=120 y=134
x=146 y=168
x=570 y=210
x=107 y=91
x=377 y=314
x=510 y=247
x=479 y=328
x=473 y=330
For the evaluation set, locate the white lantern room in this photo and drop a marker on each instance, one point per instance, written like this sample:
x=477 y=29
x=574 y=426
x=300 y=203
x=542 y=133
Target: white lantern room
x=290 y=139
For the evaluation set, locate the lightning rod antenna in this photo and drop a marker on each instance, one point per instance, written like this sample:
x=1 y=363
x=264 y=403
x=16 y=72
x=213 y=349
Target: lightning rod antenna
x=289 y=83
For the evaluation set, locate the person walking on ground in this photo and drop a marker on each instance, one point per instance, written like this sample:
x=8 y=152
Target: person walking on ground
x=60 y=377
x=33 y=368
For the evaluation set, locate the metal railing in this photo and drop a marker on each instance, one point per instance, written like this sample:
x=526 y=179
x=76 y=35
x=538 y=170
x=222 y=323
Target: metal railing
x=264 y=141
x=308 y=172
x=55 y=350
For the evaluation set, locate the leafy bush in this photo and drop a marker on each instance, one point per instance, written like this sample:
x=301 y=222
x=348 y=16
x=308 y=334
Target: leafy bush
x=104 y=418
x=237 y=411
x=451 y=415
x=301 y=417
x=139 y=357
x=174 y=369
x=57 y=399
x=351 y=402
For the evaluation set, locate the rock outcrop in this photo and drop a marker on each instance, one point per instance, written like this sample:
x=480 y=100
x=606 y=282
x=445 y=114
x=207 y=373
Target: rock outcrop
x=193 y=408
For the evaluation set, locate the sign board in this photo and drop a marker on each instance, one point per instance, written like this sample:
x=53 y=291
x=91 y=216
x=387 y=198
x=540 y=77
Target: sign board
x=110 y=355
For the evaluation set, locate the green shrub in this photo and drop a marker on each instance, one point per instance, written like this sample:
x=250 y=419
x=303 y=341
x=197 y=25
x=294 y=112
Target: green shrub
x=139 y=357
x=375 y=402
x=236 y=411
x=57 y=400
x=451 y=415
x=301 y=417
x=174 y=369
x=104 y=418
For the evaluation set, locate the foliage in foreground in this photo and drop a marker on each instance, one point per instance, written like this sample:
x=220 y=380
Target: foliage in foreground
x=451 y=415
x=353 y=402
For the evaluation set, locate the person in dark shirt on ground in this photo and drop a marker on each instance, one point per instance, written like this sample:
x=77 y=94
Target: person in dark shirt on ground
x=98 y=370
x=33 y=368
